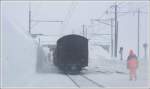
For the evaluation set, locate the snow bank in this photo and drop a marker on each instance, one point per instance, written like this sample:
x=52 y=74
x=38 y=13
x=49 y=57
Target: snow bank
x=97 y=54
x=99 y=59
x=112 y=72
x=18 y=55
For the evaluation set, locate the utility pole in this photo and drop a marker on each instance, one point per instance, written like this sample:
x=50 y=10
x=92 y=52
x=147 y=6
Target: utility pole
x=116 y=31
x=138 y=32
x=29 y=18
x=39 y=41
x=112 y=37
x=83 y=30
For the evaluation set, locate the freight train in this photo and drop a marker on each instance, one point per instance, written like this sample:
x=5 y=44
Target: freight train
x=71 y=53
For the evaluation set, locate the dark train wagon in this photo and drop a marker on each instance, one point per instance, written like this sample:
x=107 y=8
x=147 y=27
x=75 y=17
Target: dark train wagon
x=71 y=53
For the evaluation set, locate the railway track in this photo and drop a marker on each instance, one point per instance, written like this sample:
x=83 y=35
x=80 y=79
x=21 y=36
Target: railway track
x=83 y=81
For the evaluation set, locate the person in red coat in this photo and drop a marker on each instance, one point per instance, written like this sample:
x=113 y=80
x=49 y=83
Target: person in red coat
x=132 y=64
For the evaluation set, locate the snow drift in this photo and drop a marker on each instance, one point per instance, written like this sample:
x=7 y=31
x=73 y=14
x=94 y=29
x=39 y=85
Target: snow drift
x=18 y=55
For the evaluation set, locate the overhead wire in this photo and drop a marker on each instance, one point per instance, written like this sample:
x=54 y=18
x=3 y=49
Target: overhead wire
x=68 y=16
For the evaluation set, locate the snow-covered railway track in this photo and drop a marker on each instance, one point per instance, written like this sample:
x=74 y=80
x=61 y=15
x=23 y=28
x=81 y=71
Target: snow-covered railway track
x=83 y=81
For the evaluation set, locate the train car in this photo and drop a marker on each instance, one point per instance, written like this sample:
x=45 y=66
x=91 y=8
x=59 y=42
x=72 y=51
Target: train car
x=71 y=53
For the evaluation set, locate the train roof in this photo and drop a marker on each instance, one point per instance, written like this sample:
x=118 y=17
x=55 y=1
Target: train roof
x=72 y=35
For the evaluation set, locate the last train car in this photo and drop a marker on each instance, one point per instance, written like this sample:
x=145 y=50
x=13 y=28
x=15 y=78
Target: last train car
x=71 y=53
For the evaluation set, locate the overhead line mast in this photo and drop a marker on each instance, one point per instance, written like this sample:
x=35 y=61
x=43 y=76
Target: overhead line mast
x=116 y=30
